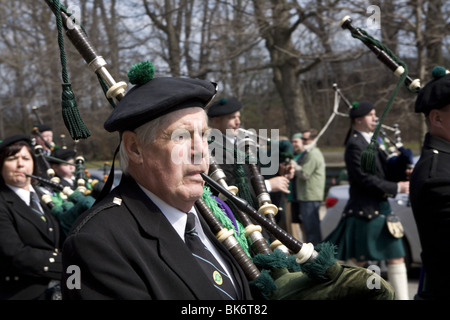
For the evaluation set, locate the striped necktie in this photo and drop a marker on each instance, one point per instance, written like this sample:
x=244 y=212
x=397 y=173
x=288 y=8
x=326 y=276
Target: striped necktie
x=212 y=268
x=35 y=206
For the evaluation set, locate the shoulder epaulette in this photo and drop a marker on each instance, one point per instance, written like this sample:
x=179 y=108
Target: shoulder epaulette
x=116 y=202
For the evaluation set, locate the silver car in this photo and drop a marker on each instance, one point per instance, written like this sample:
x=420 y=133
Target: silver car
x=336 y=200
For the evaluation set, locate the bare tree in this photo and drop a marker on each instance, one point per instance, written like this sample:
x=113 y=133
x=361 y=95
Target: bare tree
x=280 y=57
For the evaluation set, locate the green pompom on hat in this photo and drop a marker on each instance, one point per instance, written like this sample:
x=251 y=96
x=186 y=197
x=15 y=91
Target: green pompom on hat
x=141 y=73
x=151 y=97
x=436 y=93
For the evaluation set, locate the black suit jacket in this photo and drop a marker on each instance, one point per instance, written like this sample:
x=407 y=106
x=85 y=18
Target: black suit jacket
x=127 y=249
x=29 y=248
x=366 y=190
x=430 y=201
x=224 y=153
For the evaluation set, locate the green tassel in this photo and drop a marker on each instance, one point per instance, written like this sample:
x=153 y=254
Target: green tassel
x=264 y=284
x=71 y=117
x=317 y=268
x=368 y=160
x=276 y=260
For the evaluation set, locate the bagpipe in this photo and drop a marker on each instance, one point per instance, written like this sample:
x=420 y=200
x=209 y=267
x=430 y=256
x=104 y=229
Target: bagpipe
x=304 y=272
x=65 y=203
x=290 y=269
x=83 y=180
x=392 y=62
x=398 y=67
x=307 y=273
x=264 y=201
x=386 y=56
x=400 y=160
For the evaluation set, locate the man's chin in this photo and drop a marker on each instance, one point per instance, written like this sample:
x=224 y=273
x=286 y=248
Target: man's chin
x=195 y=193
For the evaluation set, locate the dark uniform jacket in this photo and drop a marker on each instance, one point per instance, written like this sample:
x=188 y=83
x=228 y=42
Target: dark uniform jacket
x=430 y=201
x=29 y=249
x=125 y=248
x=367 y=191
x=231 y=159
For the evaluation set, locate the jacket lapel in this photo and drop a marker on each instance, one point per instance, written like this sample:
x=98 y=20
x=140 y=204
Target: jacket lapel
x=21 y=209
x=172 y=248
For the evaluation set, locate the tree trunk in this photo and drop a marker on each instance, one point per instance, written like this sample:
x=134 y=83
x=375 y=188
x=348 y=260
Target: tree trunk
x=284 y=60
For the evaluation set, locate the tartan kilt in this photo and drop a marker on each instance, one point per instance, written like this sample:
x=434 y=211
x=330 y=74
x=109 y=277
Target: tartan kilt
x=364 y=239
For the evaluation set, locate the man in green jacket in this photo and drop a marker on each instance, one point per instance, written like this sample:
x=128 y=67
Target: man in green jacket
x=310 y=187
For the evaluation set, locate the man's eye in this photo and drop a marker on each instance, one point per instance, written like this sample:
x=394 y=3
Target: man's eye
x=180 y=135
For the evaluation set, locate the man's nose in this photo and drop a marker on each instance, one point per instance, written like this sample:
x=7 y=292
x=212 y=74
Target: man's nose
x=199 y=148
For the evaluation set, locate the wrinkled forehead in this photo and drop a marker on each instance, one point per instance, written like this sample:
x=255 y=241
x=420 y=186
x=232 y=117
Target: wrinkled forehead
x=189 y=117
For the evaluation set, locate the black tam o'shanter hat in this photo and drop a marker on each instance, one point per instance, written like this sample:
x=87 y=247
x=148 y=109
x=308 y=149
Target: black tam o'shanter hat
x=13 y=139
x=223 y=107
x=436 y=93
x=152 y=97
x=44 y=127
x=360 y=109
x=62 y=154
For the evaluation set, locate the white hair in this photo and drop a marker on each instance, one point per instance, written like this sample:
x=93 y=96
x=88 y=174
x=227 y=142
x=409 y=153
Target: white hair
x=146 y=133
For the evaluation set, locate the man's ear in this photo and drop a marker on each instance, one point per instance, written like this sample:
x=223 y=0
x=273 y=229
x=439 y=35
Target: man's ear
x=435 y=118
x=132 y=146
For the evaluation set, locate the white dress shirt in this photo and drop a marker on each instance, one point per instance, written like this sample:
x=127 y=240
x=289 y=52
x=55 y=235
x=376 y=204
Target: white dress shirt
x=178 y=221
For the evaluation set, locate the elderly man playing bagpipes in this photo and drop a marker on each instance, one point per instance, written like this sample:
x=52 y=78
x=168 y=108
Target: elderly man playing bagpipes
x=135 y=242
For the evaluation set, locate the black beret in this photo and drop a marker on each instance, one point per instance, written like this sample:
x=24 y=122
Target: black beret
x=44 y=127
x=436 y=93
x=360 y=109
x=13 y=139
x=63 y=154
x=158 y=97
x=223 y=107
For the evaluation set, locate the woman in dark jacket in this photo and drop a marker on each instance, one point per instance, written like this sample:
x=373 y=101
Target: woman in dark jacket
x=30 y=261
x=362 y=233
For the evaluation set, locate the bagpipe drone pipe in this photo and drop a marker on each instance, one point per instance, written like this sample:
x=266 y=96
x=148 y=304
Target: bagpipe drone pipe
x=306 y=273
x=264 y=201
x=44 y=166
x=65 y=203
